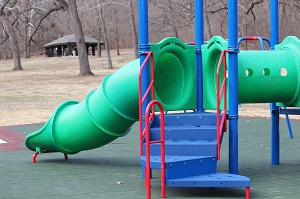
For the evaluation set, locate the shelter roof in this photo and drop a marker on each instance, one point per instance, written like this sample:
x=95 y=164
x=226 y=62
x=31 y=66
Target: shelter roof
x=70 y=39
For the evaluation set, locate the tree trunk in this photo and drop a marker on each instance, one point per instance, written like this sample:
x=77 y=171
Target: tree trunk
x=173 y=21
x=84 y=65
x=15 y=45
x=26 y=52
x=207 y=22
x=99 y=34
x=109 y=62
x=4 y=47
x=117 y=31
x=28 y=32
x=133 y=30
x=118 y=47
x=99 y=47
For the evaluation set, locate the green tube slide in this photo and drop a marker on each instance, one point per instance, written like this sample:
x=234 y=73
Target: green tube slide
x=109 y=112
x=103 y=116
x=263 y=76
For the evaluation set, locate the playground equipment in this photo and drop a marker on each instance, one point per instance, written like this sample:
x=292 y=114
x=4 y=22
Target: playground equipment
x=179 y=128
x=185 y=146
x=104 y=115
x=263 y=76
x=74 y=126
x=190 y=138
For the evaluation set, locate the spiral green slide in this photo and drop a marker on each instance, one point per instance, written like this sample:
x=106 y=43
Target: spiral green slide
x=74 y=126
x=109 y=112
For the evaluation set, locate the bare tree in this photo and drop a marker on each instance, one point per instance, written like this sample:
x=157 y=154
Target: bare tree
x=109 y=62
x=116 y=30
x=4 y=36
x=84 y=66
x=27 y=27
x=289 y=18
x=14 y=16
x=36 y=15
x=9 y=15
x=172 y=19
x=133 y=30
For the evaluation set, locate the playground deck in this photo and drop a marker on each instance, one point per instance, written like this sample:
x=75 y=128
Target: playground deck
x=113 y=171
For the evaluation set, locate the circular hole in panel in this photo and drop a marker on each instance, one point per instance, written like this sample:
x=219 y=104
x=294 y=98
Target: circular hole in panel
x=266 y=71
x=283 y=72
x=249 y=72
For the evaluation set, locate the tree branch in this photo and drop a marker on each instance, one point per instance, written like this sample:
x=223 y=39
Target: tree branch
x=5 y=2
x=45 y=15
x=253 y=3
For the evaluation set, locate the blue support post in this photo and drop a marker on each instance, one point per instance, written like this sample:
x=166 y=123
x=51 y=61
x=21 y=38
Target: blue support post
x=199 y=39
x=274 y=109
x=144 y=46
x=233 y=85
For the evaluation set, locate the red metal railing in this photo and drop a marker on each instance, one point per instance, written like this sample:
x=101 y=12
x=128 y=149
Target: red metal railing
x=143 y=98
x=149 y=115
x=221 y=92
x=148 y=119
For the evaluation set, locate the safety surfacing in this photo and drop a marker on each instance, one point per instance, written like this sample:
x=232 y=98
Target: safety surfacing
x=113 y=171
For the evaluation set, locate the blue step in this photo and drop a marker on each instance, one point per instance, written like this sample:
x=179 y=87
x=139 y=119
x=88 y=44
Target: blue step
x=183 y=166
x=191 y=151
x=206 y=133
x=185 y=148
x=210 y=180
x=187 y=119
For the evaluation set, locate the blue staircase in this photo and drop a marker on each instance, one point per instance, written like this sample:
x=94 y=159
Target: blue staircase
x=190 y=152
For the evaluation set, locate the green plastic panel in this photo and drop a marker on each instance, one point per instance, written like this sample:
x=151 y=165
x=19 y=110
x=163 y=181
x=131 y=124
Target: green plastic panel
x=175 y=74
x=210 y=56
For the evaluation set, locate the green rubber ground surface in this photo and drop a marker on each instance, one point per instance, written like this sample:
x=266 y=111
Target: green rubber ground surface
x=113 y=171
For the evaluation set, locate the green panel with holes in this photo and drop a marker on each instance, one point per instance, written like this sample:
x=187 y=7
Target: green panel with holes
x=267 y=76
x=263 y=76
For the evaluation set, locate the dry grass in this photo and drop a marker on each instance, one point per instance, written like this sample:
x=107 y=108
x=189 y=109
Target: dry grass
x=31 y=95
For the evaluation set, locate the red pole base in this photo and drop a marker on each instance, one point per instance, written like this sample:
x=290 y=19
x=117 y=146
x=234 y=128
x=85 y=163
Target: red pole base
x=248 y=193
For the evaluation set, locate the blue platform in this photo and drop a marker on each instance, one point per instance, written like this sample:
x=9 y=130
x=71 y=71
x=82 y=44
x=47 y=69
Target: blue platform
x=191 y=152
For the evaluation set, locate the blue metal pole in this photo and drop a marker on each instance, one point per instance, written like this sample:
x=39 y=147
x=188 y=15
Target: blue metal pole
x=274 y=109
x=144 y=46
x=199 y=34
x=233 y=85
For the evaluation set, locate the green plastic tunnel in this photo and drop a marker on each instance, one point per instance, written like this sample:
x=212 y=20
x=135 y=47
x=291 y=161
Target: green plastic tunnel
x=263 y=76
x=74 y=127
x=108 y=112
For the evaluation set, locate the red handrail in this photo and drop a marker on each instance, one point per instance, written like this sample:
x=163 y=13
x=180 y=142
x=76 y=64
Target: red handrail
x=143 y=98
x=149 y=115
x=148 y=119
x=221 y=123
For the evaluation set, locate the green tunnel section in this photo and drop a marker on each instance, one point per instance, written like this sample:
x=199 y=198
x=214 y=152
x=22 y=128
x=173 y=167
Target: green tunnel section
x=103 y=116
x=263 y=76
x=108 y=112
